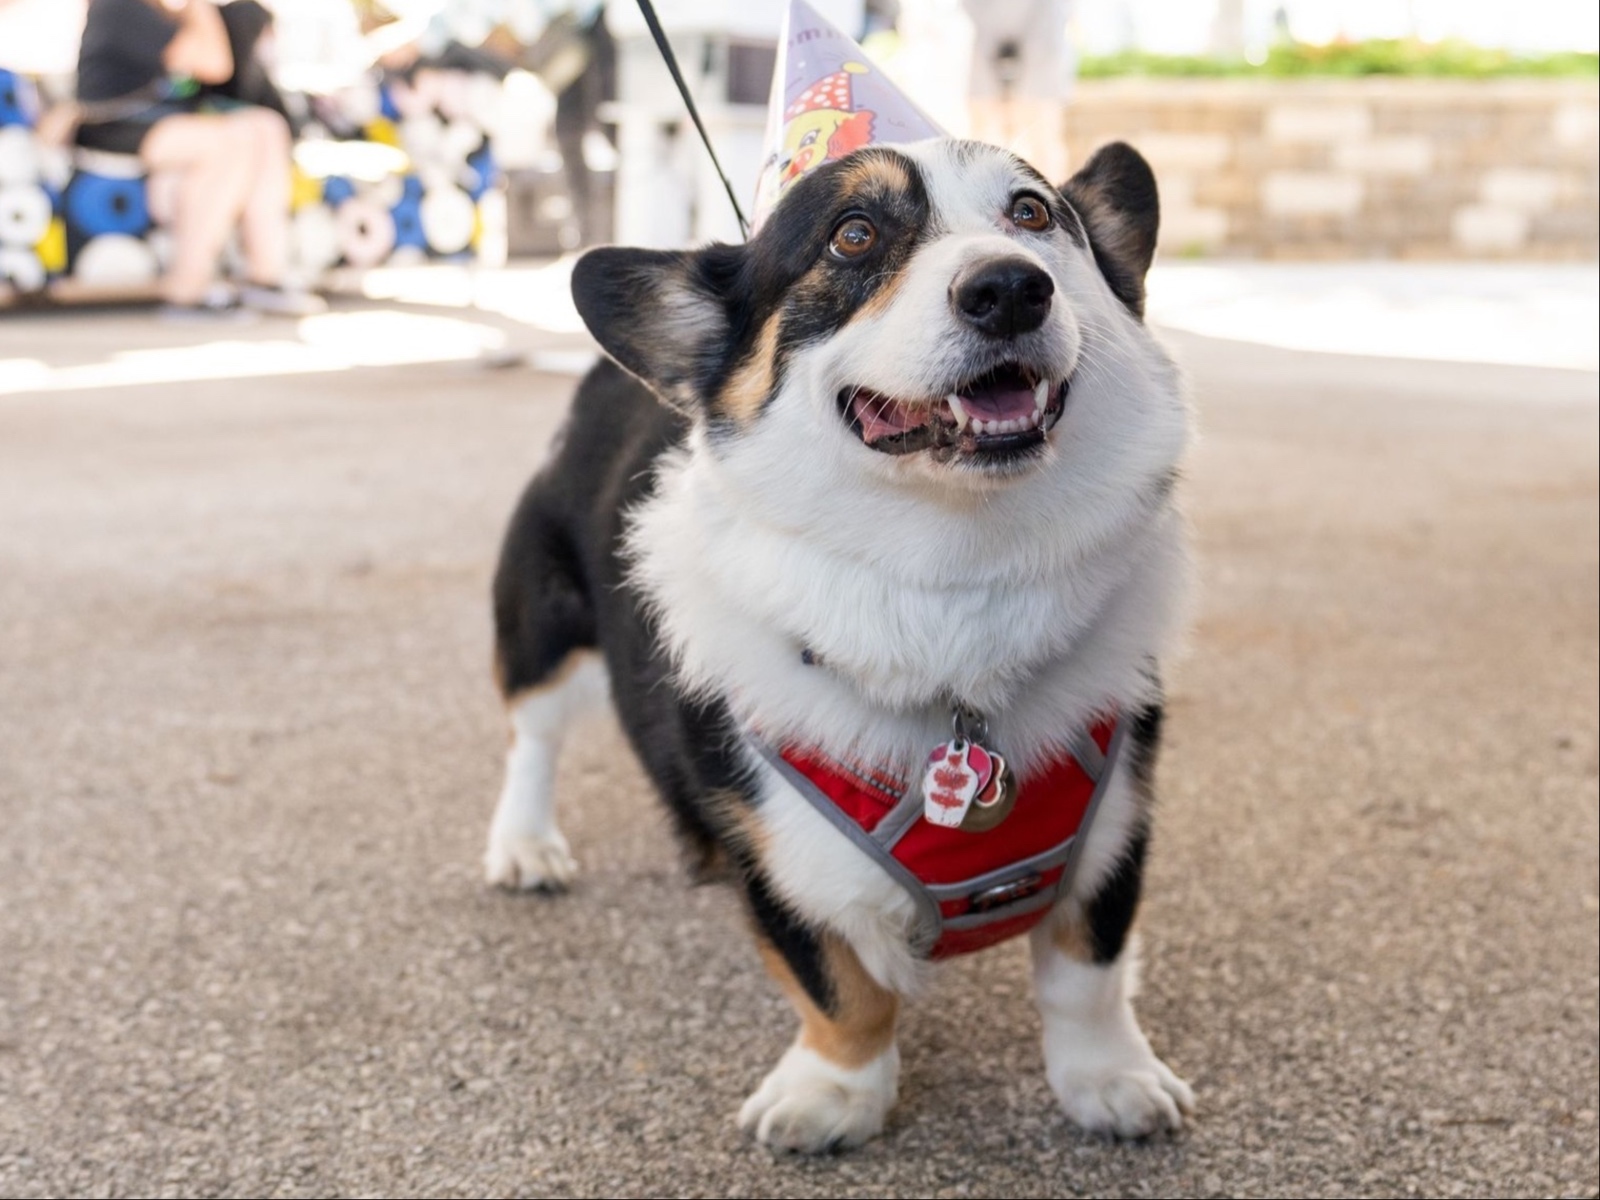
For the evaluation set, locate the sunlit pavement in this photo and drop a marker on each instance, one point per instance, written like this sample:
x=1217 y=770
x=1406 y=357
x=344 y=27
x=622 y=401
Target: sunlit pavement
x=1515 y=315
x=1519 y=315
x=426 y=315
x=249 y=744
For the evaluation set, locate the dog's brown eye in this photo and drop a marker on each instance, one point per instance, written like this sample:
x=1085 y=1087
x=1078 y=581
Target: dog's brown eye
x=853 y=238
x=1030 y=213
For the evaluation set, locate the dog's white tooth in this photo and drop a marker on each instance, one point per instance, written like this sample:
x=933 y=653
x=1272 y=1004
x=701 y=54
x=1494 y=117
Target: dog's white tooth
x=1041 y=395
x=954 y=401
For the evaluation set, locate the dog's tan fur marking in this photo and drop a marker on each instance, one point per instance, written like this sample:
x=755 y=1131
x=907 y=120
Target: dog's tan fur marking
x=736 y=820
x=878 y=303
x=751 y=384
x=876 y=172
x=550 y=682
x=1071 y=936
x=875 y=175
x=861 y=1029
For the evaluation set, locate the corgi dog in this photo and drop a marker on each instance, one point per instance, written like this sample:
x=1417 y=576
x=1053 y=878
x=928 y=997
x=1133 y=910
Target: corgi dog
x=867 y=527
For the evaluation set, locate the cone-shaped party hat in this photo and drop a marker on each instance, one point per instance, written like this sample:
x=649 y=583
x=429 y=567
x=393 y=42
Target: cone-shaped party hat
x=827 y=100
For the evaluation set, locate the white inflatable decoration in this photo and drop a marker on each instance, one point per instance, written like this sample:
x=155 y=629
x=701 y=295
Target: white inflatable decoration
x=407 y=256
x=485 y=96
x=386 y=192
x=24 y=214
x=19 y=157
x=22 y=268
x=455 y=98
x=314 y=239
x=448 y=218
x=359 y=103
x=366 y=232
x=427 y=89
x=423 y=137
x=460 y=139
x=55 y=165
x=115 y=260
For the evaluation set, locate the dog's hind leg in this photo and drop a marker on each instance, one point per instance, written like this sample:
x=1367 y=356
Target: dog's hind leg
x=1097 y=1059
x=835 y=1085
x=550 y=674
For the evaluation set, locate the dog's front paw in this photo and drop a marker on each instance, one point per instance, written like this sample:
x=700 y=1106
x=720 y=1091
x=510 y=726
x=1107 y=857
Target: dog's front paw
x=810 y=1106
x=1133 y=1099
x=524 y=862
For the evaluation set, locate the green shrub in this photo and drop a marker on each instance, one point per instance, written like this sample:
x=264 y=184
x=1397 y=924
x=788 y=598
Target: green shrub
x=1381 y=56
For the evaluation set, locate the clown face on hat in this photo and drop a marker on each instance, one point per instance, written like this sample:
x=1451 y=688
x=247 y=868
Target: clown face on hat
x=827 y=100
x=823 y=124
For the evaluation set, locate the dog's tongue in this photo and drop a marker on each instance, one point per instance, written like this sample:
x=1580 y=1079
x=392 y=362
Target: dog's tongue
x=881 y=417
x=1004 y=396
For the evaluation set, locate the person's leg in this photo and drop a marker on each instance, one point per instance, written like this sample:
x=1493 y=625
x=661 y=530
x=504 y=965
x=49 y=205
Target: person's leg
x=215 y=171
x=265 y=224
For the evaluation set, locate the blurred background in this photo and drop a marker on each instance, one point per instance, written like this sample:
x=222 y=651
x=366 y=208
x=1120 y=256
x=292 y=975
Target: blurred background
x=485 y=129
x=473 y=134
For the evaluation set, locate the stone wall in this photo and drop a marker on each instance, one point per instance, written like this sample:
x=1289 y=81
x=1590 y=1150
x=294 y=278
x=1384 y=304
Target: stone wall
x=1360 y=168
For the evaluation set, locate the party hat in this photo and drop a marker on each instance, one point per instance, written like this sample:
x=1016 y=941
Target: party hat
x=828 y=99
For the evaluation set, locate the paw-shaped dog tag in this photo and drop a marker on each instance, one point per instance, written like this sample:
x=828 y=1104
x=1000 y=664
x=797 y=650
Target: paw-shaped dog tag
x=994 y=801
x=958 y=772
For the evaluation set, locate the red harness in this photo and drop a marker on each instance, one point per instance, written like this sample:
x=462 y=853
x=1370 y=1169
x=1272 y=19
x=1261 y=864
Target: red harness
x=971 y=889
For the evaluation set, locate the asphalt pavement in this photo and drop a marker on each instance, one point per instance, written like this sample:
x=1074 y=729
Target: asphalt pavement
x=249 y=747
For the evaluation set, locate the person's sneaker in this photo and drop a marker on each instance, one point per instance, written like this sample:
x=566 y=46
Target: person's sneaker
x=220 y=305
x=281 y=301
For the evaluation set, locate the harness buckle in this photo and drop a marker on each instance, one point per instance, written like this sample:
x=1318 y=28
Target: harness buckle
x=1005 y=893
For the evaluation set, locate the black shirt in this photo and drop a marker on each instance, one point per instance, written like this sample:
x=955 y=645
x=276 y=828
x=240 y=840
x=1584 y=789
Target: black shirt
x=123 y=41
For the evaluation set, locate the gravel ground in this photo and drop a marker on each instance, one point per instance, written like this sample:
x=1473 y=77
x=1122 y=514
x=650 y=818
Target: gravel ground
x=249 y=746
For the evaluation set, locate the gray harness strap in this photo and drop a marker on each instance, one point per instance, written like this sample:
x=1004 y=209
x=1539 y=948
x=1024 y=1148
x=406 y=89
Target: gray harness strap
x=987 y=892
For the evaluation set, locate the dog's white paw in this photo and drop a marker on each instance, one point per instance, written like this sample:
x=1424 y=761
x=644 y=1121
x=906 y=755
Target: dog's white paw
x=524 y=862
x=808 y=1105
x=1130 y=1100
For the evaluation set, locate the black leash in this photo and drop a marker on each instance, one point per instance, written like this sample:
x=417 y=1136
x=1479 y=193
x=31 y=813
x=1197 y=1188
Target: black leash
x=650 y=19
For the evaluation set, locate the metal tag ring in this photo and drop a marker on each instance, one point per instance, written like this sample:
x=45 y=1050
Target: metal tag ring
x=968 y=724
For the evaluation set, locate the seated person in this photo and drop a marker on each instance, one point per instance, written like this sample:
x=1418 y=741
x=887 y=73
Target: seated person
x=153 y=80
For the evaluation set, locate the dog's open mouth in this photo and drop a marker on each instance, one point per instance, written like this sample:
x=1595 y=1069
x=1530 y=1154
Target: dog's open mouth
x=1000 y=412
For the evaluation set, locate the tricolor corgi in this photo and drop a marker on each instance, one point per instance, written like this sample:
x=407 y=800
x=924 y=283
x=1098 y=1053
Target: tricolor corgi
x=868 y=528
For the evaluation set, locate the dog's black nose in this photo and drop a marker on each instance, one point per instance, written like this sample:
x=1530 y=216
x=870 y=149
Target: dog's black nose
x=1003 y=297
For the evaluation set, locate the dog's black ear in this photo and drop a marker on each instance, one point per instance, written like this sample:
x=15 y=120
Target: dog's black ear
x=662 y=314
x=1115 y=194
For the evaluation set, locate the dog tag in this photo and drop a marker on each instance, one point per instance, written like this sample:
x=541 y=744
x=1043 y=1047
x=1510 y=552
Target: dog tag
x=958 y=770
x=967 y=786
x=994 y=801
